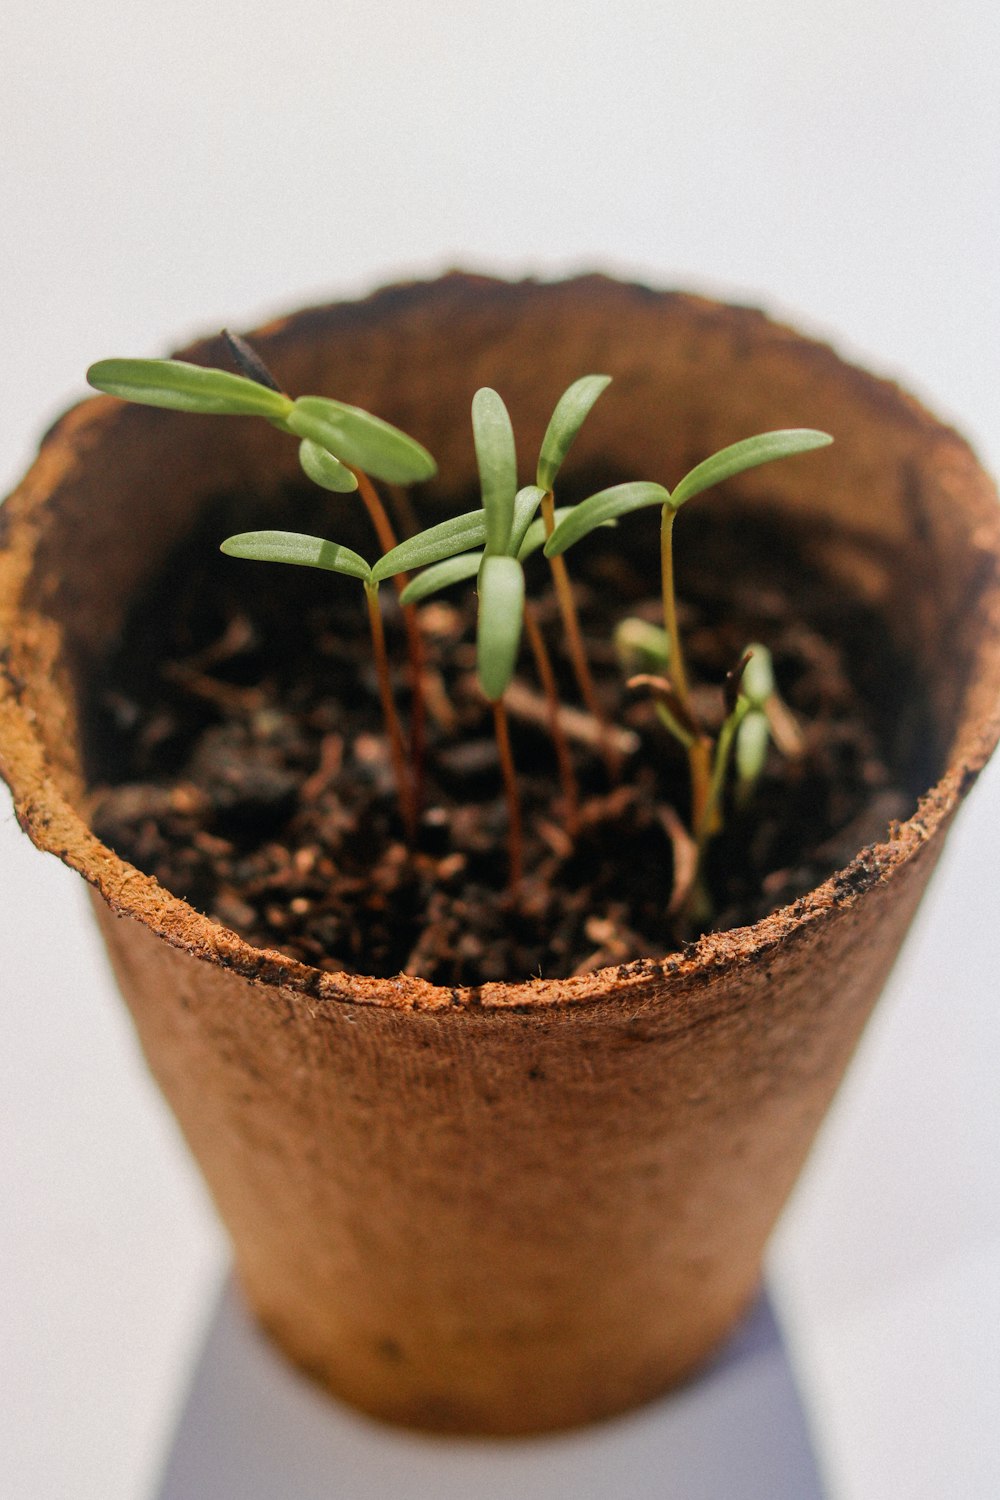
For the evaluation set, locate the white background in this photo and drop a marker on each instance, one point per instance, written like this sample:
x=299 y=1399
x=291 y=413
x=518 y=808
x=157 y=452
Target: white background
x=169 y=169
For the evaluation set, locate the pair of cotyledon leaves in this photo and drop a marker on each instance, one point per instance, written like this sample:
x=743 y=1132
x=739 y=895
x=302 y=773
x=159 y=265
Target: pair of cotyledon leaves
x=336 y=438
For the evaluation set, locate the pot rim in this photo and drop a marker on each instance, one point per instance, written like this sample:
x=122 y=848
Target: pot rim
x=56 y=826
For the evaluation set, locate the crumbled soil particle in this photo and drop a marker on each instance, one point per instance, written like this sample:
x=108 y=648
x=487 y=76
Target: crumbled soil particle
x=236 y=753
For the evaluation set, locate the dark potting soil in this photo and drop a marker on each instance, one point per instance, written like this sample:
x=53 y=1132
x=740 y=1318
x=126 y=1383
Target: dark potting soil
x=236 y=753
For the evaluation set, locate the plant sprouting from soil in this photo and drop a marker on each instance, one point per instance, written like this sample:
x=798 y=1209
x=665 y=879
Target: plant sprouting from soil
x=343 y=449
x=506 y=515
x=707 y=761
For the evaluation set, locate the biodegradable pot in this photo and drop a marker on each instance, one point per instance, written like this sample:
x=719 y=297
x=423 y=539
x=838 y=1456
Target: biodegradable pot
x=531 y=1204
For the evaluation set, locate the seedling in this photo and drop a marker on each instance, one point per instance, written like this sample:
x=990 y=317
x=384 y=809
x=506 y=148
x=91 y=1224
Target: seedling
x=506 y=515
x=340 y=446
x=511 y=534
x=621 y=500
x=571 y=412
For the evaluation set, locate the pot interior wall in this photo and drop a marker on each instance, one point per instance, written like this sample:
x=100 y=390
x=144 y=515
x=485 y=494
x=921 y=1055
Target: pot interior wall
x=880 y=506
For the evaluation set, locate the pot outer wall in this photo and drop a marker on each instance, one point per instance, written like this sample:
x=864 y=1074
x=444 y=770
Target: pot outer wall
x=529 y=1205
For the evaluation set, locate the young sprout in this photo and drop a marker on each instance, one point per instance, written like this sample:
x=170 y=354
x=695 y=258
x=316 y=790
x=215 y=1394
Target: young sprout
x=744 y=737
x=572 y=410
x=314 y=552
x=491 y=539
x=757 y=687
x=622 y=499
x=501 y=586
x=738 y=707
x=340 y=446
x=641 y=646
x=492 y=545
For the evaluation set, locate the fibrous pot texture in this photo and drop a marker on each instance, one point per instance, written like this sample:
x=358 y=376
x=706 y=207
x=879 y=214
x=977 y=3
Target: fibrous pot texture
x=531 y=1204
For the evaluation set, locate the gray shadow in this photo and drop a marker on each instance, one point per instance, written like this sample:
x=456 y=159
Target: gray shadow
x=252 y=1429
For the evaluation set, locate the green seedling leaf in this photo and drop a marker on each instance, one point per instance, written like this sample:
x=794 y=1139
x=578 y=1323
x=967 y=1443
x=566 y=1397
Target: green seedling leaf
x=757 y=682
x=641 y=645
x=437 y=577
x=751 y=749
x=178 y=386
x=302 y=551
x=534 y=537
x=501 y=616
x=458 y=534
x=361 y=440
x=325 y=470
x=606 y=505
x=497 y=460
x=748 y=454
x=711 y=819
x=569 y=416
x=526 y=502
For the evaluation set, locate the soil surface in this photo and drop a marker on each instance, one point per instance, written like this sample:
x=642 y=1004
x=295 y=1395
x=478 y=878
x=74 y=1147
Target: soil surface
x=236 y=753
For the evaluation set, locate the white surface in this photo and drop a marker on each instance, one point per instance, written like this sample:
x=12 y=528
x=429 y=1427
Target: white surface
x=252 y=1430
x=165 y=170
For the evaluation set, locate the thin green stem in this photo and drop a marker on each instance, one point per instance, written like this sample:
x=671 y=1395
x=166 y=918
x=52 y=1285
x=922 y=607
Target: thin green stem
x=711 y=819
x=678 y=672
x=698 y=906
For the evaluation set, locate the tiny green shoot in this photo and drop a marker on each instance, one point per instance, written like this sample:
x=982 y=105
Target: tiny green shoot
x=571 y=411
x=501 y=589
x=641 y=646
x=753 y=734
x=340 y=446
x=621 y=500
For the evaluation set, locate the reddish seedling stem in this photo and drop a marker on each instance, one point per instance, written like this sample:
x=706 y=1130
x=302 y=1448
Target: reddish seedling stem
x=376 y=510
x=404 y=786
x=564 y=758
x=515 y=831
x=574 y=642
x=414 y=640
